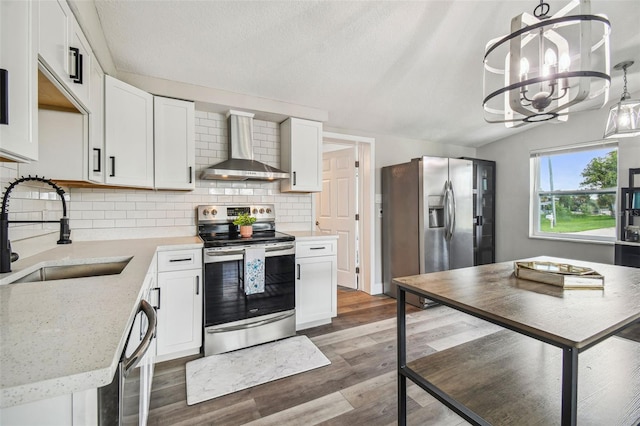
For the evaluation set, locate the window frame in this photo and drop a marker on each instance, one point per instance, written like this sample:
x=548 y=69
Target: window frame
x=536 y=192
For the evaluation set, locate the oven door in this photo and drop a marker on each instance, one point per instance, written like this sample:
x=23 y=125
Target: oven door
x=234 y=320
x=224 y=298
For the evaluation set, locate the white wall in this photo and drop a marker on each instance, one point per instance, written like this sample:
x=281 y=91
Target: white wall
x=512 y=199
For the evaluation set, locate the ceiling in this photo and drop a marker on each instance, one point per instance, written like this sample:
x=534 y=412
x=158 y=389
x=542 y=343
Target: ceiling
x=410 y=69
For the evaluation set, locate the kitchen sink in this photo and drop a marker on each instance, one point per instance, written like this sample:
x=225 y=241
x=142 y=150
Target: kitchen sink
x=63 y=272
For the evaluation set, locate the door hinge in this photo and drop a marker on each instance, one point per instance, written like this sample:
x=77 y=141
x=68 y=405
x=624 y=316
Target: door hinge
x=357 y=164
x=357 y=269
x=357 y=216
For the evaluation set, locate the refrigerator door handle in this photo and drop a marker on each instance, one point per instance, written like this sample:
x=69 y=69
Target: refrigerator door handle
x=447 y=211
x=452 y=203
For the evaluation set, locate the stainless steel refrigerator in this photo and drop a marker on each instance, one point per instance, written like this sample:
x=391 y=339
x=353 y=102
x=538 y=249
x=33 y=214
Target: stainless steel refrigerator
x=427 y=219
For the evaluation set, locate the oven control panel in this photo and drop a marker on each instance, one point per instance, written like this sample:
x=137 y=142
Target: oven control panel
x=225 y=214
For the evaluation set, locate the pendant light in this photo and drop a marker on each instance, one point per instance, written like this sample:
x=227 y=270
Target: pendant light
x=624 y=117
x=548 y=66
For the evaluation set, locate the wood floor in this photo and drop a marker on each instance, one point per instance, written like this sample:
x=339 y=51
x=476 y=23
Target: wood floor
x=358 y=388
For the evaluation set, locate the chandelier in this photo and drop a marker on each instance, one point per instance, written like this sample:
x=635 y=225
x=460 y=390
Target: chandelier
x=548 y=66
x=624 y=117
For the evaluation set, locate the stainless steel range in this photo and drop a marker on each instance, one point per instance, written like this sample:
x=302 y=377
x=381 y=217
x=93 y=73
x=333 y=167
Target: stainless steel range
x=236 y=314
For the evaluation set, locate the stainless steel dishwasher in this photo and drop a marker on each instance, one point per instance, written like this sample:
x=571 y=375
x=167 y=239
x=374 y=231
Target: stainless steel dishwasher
x=126 y=400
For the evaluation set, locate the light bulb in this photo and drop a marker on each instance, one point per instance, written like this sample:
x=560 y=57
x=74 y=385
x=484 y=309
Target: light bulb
x=624 y=118
x=524 y=66
x=524 y=69
x=550 y=57
x=565 y=62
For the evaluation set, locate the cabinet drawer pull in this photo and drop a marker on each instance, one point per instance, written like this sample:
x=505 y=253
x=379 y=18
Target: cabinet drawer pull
x=317 y=248
x=294 y=178
x=298 y=265
x=113 y=166
x=99 y=160
x=197 y=285
x=76 y=77
x=184 y=259
x=4 y=96
x=190 y=174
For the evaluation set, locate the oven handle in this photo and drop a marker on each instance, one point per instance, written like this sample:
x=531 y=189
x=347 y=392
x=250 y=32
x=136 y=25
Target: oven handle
x=271 y=250
x=250 y=325
x=132 y=361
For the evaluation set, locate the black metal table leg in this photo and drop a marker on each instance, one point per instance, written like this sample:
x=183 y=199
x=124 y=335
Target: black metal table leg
x=402 y=357
x=569 y=386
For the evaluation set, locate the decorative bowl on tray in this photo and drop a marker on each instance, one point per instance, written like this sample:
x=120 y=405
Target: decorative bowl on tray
x=559 y=274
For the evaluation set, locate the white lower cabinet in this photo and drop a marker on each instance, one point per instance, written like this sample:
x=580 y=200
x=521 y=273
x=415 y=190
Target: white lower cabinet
x=179 y=304
x=77 y=409
x=316 y=282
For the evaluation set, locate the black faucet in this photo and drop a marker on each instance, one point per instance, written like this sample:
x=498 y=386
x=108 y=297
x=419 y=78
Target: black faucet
x=6 y=256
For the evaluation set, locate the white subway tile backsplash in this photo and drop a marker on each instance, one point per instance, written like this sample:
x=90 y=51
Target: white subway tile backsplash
x=105 y=223
x=136 y=214
x=115 y=196
x=80 y=224
x=145 y=222
x=125 y=223
x=93 y=214
x=93 y=196
x=157 y=214
x=137 y=196
x=103 y=205
x=115 y=214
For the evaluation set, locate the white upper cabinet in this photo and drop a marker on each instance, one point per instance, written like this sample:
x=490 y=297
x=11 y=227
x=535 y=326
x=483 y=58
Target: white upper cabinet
x=96 y=161
x=18 y=81
x=53 y=45
x=174 y=143
x=128 y=122
x=64 y=50
x=301 y=155
x=80 y=60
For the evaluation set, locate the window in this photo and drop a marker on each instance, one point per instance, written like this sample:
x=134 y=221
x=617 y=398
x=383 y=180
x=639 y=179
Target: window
x=574 y=192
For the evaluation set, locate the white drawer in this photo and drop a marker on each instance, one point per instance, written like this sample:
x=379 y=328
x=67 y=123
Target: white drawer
x=178 y=260
x=316 y=248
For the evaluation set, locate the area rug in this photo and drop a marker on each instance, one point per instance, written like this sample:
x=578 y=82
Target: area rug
x=217 y=375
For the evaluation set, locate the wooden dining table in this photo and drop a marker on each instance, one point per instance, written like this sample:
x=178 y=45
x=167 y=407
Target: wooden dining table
x=530 y=371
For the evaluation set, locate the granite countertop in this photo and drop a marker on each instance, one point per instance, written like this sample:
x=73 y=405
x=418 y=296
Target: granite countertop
x=64 y=336
x=311 y=235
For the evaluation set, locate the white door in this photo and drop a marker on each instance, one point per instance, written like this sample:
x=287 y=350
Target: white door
x=336 y=208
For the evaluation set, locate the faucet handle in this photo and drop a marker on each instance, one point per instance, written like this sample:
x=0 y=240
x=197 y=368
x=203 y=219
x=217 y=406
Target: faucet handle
x=65 y=232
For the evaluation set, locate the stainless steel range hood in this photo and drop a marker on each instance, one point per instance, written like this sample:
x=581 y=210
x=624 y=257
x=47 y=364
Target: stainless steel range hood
x=241 y=165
